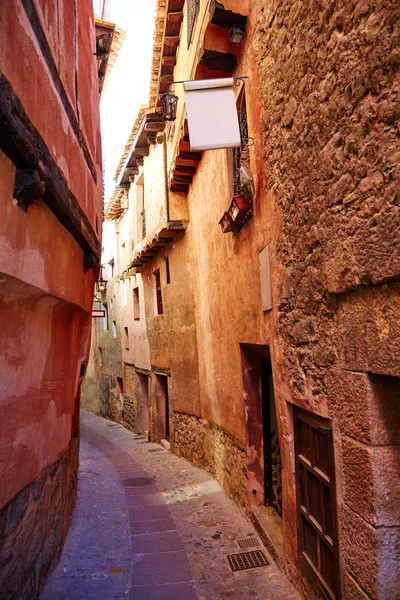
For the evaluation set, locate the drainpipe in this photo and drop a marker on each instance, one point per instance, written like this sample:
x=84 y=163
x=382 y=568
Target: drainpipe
x=166 y=176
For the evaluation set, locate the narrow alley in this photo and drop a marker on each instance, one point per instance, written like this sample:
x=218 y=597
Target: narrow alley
x=150 y=526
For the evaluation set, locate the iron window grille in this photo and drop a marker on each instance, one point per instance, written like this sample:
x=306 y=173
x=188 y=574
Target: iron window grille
x=240 y=155
x=193 y=10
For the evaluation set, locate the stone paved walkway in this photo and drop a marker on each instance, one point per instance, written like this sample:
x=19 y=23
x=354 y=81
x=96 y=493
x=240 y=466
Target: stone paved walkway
x=167 y=540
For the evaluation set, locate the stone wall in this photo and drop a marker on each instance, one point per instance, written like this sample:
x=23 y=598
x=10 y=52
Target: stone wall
x=210 y=447
x=329 y=78
x=129 y=413
x=34 y=525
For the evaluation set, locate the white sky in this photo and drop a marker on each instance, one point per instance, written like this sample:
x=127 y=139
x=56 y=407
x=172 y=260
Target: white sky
x=128 y=85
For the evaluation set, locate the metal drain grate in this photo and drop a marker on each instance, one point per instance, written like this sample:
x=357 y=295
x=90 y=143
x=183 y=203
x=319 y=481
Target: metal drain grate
x=156 y=450
x=249 y=542
x=138 y=481
x=247 y=560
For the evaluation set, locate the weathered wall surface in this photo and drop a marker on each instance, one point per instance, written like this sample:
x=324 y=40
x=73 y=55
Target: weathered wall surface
x=66 y=115
x=50 y=126
x=100 y=393
x=329 y=80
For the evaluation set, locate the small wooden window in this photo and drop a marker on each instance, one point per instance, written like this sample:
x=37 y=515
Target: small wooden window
x=192 y=14
x=126 y=333
x=316 y=502
x=167 y=272
x=158 y=293
x=136 y=304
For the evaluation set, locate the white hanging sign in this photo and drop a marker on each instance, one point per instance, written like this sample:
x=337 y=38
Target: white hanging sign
x=212 y=114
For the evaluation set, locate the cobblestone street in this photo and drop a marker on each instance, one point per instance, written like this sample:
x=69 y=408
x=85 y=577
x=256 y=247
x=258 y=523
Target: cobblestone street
x=166 y=540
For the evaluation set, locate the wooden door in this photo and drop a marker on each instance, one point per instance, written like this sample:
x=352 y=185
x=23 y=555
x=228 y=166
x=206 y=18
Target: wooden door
x=316 y=502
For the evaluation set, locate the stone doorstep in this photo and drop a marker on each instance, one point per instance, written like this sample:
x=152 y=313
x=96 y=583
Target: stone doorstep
x=269 y=526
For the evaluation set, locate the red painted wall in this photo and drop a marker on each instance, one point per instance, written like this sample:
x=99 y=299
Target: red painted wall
x=45 y=295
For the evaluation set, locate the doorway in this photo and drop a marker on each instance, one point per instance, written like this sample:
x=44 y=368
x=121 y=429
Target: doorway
x=162 y=408
x=263 y=447
x=142 y=406
x=271 y=446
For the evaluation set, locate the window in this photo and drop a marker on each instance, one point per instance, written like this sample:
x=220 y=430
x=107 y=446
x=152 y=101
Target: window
x=159 y=304
x=192 y=13
x=105 y=318
x=167 y=272
x=126 y=333
x=136 y=304
x=241 y=157
x=110 y=268
x=316 y=502
x=100 y=356
x=114 y=329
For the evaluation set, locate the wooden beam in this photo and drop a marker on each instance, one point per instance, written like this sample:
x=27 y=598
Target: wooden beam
x=194 y=156
x=184 y=170
x=224 y=62
x=226 y=18
x=25 y=147
x=177 y=178
x=179 y=188
x=175 y=17
x=168 y=61
x=172 y=40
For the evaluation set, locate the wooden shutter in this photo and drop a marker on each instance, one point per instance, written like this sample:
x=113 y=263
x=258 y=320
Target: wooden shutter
x=193 y=11
x=316 y=502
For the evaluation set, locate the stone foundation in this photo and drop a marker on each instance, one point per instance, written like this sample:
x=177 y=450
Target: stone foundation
x=211 y=448
x=34 y=525
x=129 y=413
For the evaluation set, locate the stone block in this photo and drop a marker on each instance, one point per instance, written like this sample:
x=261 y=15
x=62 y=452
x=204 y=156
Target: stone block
x=366 y=407
x=358 y=483
x=353 y=590
x=358 y=550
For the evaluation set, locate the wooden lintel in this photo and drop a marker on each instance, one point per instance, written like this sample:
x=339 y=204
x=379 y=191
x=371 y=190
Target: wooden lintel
x=224 y=62
x=175 y=17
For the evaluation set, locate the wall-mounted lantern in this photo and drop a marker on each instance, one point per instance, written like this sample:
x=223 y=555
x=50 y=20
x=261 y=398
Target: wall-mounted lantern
x=101 y=285
x=227 y=223
x=169 y=103
x=238 y=207
x=236 y=35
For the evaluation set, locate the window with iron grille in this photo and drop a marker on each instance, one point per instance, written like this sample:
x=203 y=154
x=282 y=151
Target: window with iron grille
x=143 y=214
x=159 y=303
x=316 y=502
x=192 y=13
x=241 y=155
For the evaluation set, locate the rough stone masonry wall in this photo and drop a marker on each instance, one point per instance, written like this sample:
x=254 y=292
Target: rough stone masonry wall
x=129 y=404
x=329 y=79
x=211 y=448
x=33 y=527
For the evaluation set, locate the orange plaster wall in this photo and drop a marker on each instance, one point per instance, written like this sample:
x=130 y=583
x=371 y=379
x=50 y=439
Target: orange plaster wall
x=20 y=53
x=45 y=321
